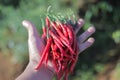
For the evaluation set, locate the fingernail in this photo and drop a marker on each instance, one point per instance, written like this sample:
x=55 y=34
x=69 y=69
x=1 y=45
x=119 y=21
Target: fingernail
x=91 y=29
x=91 y=40
x=25 y=23
x=80 y=21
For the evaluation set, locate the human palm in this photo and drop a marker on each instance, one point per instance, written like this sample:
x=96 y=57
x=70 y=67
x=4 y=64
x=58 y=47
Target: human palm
x=36 y=43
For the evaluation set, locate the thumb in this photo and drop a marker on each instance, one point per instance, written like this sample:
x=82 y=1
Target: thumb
x=33 y=40
x=32 y=32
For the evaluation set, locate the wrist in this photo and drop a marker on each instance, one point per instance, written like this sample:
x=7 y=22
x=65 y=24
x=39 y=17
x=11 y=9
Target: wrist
x=30 y=73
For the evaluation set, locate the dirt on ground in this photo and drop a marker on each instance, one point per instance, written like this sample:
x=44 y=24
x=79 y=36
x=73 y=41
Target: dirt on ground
x=8 y=69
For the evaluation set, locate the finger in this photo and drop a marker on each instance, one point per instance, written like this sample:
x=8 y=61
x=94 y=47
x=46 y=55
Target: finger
x=86 y=44
x=86 y=34
x=34 y=41
x=80 y=23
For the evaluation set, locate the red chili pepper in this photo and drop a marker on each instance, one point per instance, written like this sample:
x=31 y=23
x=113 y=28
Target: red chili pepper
x=55 y=37
x=47 y=22
x=73 y=63
x=70 y=34
x=43 y=29
x=47 y=48
x=55 y=65
x=60 y=66
x=66 y=74
x=67 y=45
x=64 y=29
x=55 y=47
x=69 y=57
x=56 y=55
x=46 y=57
x=60 y=33
x=60 y=47
x=44 y=37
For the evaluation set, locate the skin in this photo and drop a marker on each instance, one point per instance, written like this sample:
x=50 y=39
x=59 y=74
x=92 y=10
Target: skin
x=36 y=47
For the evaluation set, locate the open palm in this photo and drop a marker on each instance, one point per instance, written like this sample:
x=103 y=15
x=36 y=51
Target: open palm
x=36 y=45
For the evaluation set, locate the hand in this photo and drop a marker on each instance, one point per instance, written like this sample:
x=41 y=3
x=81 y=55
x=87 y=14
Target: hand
x=36 y=45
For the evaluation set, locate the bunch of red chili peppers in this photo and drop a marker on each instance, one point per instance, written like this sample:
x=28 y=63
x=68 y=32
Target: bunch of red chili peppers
x=61 y=47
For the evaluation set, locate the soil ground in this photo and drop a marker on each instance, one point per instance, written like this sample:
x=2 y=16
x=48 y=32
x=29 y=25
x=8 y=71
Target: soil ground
x=8 y=69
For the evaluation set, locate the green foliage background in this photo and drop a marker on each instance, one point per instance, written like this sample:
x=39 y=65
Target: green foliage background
x=104 y=15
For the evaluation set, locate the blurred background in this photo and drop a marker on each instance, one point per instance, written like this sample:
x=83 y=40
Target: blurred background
x=99 y=62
